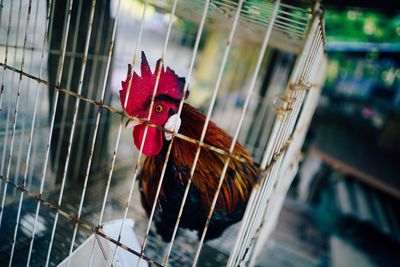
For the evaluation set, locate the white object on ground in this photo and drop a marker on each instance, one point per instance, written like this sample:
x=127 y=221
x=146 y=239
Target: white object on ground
x=81 y=255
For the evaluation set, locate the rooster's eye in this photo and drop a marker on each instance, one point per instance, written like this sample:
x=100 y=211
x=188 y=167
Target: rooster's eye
x=159 y=108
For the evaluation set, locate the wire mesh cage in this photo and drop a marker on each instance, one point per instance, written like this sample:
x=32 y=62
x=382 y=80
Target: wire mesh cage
x=69 y=169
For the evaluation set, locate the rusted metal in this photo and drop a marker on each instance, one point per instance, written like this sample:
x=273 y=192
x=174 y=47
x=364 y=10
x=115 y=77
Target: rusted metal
x=91 y=229
x=278 y=145
x=100 y=104
x=12 y=136
x=205 y=126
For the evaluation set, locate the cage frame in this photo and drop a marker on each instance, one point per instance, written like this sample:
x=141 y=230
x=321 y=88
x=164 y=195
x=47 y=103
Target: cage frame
x=280 y=157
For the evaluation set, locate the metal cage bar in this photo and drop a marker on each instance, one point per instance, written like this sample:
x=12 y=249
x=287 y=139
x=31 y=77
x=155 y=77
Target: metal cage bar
x=185 y=89
x=12 y=136
x=277 y=145
x=204 y=129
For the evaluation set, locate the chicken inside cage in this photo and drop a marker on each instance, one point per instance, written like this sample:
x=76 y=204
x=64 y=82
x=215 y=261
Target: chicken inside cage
x=151 y=133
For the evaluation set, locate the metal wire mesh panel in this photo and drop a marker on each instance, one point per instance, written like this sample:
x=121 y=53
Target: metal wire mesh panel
x=72 y=179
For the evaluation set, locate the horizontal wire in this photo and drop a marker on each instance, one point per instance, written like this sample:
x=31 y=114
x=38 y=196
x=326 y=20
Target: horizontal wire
x=84 y=225
x=96 y=230
x=58 y=52
x=123 y=113
x=92 y=120
x=88 y=121
x=120 y=112
x=265 y=17
x=264 y=20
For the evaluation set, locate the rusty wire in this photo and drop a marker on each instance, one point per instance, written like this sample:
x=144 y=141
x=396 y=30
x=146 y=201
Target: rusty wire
x=291 y=105
x=56 y=208
x=96 y=230
x=123 y=113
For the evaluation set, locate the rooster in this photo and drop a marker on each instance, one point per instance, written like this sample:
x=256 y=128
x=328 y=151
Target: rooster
x=240 y=175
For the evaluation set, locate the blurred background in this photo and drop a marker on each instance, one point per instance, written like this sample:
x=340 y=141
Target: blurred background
x=343 y=207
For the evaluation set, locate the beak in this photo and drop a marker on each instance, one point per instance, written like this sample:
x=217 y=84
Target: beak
x=173 y=124
x=132 y=124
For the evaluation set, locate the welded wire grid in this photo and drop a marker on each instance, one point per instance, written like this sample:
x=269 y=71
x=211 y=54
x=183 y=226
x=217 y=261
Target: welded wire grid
x=290 y=27
x=44 y=217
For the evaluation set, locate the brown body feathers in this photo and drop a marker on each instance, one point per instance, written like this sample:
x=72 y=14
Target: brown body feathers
x=238 y=182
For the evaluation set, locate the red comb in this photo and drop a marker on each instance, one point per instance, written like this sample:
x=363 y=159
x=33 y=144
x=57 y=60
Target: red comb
x=142 y=87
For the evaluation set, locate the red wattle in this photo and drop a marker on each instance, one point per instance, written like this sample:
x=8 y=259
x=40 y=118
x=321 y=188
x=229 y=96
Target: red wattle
x=153 y=143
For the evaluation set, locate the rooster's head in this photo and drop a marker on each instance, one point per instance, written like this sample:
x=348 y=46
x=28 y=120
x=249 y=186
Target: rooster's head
x=169 y=94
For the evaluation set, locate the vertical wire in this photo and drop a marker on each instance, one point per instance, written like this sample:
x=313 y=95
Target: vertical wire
x=30 y=138
x=21 y=135
x=27 y=99
x=55 y=102
x=271 y=184
x=1 y=97
x=69 y=80
x=121 y=122
x=283 y=134
x=9 y=95
x=22 y=132
x=291 y=151
x=161 y=66
x=259 y=218
x=1 y=14
x=59 y=53
x=120 y=128
x=260 y=117
x=185 y=89
x=268 y=153
x=103 y=91
x=205 y=126
x=311 y=100
x=269 y=118
x=273 y=135
x=246 y=219
x=267 y=181
x=278 y=81
x=318 y=43
x=311 y=55
x=289 y=126
x=239 y=126
x=24 y=181
x=6 y=54
x=264 y=209
x=287 y=109
x=10 y=153
x=299 y=93
x=254 y=218
x=302 y=92
x=289 y=98
x=263 y=198
x=91 y=91
x=277 y=145
x=46 y=32
x=75 y=114
x=298 y=106
x=253 y=221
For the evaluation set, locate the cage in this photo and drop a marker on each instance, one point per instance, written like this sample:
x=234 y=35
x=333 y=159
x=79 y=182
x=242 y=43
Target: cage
x=69 y=169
